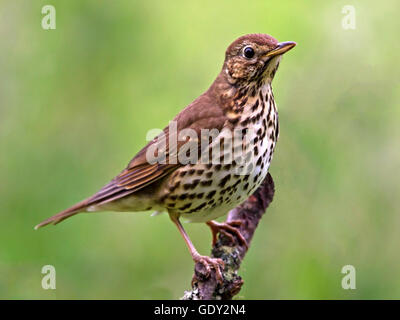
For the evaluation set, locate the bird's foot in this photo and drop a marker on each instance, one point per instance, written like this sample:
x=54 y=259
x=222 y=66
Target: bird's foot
x=228 y=229
x=208 y=263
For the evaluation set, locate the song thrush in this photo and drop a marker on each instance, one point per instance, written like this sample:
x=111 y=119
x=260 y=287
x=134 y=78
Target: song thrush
x=239 y=100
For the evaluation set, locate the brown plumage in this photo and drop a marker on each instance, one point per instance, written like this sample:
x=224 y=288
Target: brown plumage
x=239 y=99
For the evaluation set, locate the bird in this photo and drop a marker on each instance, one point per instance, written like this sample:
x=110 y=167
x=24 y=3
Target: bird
x=211 y=157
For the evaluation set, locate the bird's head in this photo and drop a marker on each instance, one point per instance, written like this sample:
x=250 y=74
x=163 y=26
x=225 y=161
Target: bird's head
x=253 y=57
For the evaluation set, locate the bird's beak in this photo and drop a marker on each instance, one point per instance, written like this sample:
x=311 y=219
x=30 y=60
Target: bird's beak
x=281 y=48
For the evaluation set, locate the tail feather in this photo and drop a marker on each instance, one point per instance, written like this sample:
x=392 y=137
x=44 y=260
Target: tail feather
x=79 y=207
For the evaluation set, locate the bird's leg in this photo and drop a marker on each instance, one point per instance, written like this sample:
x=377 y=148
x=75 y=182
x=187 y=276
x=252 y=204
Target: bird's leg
x=206 y=261
x=227 y=229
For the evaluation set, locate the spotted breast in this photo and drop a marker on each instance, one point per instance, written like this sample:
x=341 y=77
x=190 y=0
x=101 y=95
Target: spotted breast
x=202 y=191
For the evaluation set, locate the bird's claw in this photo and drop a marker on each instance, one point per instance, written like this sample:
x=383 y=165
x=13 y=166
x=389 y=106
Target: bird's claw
x=227 y=229
x=209 y=263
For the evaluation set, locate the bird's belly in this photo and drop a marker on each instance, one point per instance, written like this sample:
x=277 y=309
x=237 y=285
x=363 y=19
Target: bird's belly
x=225 y=199
x=206 y=192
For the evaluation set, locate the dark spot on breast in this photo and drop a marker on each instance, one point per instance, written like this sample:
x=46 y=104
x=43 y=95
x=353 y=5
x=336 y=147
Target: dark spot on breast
x=195 y=182
x=182 y=173
x=211 y=194
x=227 y=166
x=206 y=183
x=176 y=185
x=254 y=107
x=186 y=206
x=201 y=206
x=262 y=107
x=263 y=135
x=243 y=102
x=236 y=183
x=200 y=195
x=191 y=185
x=260 y=94
x=183 y=196
x=234 y=120
x=224 y=180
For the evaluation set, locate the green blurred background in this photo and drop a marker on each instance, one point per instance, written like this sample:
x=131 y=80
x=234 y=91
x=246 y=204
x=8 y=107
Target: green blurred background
x=76 y=104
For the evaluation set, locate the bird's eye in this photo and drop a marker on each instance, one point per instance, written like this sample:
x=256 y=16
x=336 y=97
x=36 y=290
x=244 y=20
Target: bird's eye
x=248 y=52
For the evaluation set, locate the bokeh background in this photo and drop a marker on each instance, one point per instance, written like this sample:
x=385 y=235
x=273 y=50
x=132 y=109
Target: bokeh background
x=76 y=104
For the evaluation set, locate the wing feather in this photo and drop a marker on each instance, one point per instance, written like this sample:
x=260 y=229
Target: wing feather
x=201 y=114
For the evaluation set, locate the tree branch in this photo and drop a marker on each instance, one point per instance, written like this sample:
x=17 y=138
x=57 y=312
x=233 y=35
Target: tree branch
x=206 y=287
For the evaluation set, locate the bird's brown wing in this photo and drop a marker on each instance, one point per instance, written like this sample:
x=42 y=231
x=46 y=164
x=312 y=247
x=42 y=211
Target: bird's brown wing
x=201 y=114
x=138 y=174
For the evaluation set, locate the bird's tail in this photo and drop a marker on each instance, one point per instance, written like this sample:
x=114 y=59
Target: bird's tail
x=79 y=207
